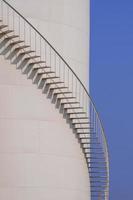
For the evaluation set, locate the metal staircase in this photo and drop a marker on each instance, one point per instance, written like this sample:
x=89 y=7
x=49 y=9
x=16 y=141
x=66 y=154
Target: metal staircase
x=24 y=46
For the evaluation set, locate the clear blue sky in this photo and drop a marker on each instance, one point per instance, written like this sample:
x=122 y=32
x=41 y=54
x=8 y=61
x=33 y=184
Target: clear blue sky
x=112 y=86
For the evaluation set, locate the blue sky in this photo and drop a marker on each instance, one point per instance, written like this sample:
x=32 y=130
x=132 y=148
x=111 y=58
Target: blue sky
x=112 y=86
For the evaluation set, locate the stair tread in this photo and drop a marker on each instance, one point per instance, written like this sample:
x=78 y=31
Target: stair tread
x=16 y=42
x=48 y=72
x=3 y=26
x=43 y=67
x=79 y=113
x=88 y=138
x=31 y=57
x=21 y=47
x=82 y=128
x=59 y=82
x=11 y=37
x=58 y=87
x=98 y=176
x=66 y=98
x=96 y=158
x=76 y=102
x=78 y=117
x=95 y=162
x=97 y=167
x=80 y=123
x=89 y=143
x=26 y=52
x=37 y=62
x=98 y=186
x=52 y=77
x=62 y=92
x=86 y=147
x=94 y=153
x=6 y=32
x=73 y=108
x=87 y=133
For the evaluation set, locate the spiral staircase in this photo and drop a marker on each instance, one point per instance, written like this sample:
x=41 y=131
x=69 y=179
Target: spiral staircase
x=24 y=46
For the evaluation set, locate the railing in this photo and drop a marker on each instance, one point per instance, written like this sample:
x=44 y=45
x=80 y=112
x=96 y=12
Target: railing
x=30 y=35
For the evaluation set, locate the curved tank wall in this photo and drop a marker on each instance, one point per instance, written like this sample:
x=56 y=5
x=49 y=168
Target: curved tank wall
x=40 y=158
x=65 y=23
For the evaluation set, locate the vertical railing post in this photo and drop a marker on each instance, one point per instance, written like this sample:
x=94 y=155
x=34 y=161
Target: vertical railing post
x=35 y=41
x=40 y=47
x=2 y=10
x=7 y=16
x=19 y=26
x=24 y=31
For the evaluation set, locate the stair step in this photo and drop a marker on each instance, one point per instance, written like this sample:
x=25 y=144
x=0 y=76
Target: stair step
x=31 y=57
x=22 y=47
x=52 y=77
x=82 y=128
x=80 y=123
x=102 y=195
x=73 y=108
x=102 y=186
x=16 y=42
x=54 y=83
x=97 y=167
x=58 y=87
x=26 y=52
x=96 y=162
x=88 y=137
x=43 y=67
x=96 y=158
x=98 y=176
x=76 y=112
x=48 y=72
x=71 y=117
x=102 y=153
x=62 y=98
x=98 y=181
x=91 y=143
x=34 y=72
x=37 y=62
x=11 y=37
x=6 y=32
x=64 y=92
x=97 y=186
x=86 y=147
x=65 y=103
x=97 y=172
x=85 y=133
x=98 y=191
x=3 y=26
x=98 y=148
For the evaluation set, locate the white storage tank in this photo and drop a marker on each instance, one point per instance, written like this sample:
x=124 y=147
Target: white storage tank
x=40 y=156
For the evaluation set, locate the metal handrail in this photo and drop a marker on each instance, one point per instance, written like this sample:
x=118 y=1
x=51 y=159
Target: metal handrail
x=97 y=120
